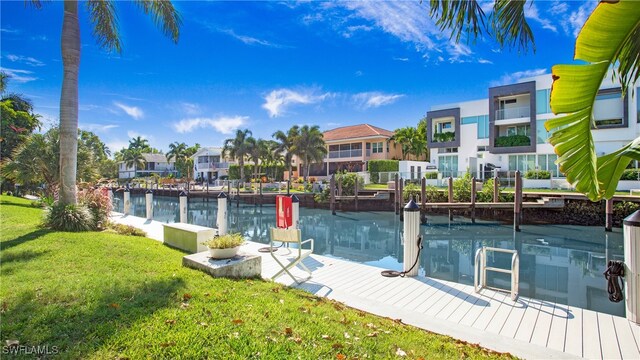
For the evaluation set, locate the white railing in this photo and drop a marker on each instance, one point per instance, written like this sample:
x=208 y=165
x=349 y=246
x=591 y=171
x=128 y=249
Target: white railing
x=345 y=154
x=513 y=113
x=481 y=268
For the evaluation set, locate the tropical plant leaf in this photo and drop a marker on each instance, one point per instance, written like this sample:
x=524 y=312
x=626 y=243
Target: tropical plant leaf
x=460 y=17
x=105 y=20
x=611 y=166
x=510 y=26
x=605 y=36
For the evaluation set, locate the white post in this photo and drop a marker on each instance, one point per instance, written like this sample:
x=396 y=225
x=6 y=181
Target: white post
x=632 y=266
x=411 y=234
x=149 y=197
x=110 y=195
x=127 y=201
x=221 y=220
x=295 y=212
x=183 y=207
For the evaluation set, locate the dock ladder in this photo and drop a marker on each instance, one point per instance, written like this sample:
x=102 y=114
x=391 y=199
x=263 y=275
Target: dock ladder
x=481 y=268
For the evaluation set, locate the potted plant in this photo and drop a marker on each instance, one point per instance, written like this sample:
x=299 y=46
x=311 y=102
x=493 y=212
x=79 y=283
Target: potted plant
x=225 y=246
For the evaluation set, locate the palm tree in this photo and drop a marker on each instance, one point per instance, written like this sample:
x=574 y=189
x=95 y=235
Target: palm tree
x=105 y=29
x=134 y=158
x=179 y=152
x=138 y=143
x=403 y=138
x=238 y=148
x=258 y=152
x=287 y=144
x=310 y=147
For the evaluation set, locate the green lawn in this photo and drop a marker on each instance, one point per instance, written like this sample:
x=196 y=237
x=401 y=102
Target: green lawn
x=102 y=295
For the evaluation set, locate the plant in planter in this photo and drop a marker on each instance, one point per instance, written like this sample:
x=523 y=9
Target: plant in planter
x=225 y=246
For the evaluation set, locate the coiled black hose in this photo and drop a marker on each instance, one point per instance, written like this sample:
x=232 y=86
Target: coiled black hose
x=615 y=285
x=394 y=273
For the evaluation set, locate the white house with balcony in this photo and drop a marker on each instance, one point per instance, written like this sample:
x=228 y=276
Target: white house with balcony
x=506 y=130
x=153 y=164
x=210 y=164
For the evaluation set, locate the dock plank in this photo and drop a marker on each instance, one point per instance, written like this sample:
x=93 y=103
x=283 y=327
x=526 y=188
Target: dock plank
x=543 y=325
x=575 y=336
x=591 y=335
x=487 y=315
x=626 y=341
x=609 y=339
x=510 y=327
x=558 y=330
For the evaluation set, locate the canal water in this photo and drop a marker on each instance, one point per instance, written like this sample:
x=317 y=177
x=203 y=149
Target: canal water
x=559 y=263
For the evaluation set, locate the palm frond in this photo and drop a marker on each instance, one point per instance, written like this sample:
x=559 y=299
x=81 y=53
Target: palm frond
x=459 y=17
x=510 y=26
x=105 y=24
x=628 y=60
x=164 y=15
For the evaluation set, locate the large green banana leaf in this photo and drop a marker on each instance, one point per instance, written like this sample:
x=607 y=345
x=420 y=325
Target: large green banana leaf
x=609 y=37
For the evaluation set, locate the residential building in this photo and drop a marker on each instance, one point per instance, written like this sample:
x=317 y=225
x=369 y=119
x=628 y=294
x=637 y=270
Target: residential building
x=507 y=131
x=210 y=164
x=351 y=147
x=154 y=164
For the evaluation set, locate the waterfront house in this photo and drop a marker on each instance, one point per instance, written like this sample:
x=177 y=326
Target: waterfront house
x=506 y=130
x=153 y=164
x=210 y=164
x=351 y=147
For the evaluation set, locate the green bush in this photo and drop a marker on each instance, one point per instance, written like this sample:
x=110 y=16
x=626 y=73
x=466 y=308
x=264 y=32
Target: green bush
x=630 y=174
x=537 y=174
x=444 y=136
x=462 y=188
x=433 y=194
x=227 y=241
x=411 y=190
x=431 y=175
x=377 y=166
x=323 y=196
x=513 y=140
x=269 y=171
x=125 y=229
x=348 y=181
x=70 y=217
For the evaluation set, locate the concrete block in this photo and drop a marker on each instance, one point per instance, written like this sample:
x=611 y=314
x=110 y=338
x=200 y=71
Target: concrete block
x=240 y=266
x=187 y=237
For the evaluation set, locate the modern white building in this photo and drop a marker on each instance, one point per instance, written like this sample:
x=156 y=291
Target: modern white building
x=154 y=164
x=506 y=130
x=210 y=164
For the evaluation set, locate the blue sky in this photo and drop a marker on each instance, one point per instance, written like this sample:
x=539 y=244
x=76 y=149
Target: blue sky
x=266 y=66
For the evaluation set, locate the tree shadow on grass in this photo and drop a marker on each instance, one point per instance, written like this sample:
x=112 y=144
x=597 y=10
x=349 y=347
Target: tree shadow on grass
x=79 y=327
x=10 y=260
x=24 y=238
x=9 y=204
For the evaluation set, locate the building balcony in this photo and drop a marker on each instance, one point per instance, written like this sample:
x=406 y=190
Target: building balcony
x=342 y=154
x=513 y=113
x=212 y=166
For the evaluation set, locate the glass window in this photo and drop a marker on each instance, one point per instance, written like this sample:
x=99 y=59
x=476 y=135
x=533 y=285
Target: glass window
x=542 y=162
x=551 y=165
x=469 y=120
x=448 y=165
x=513 y=162
x=541 y=133
x=542 y=101
x=511 y=130
x=446 y=125
x=531 y=162
x=377 y=148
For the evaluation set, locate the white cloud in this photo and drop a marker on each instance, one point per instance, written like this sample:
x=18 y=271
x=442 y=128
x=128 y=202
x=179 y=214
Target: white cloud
x=97 y=128
x=190 y=108
x=24 y=59
x=531 y=12
x=358 y=73
x=350 y=30
x=9 y=31
x=374 y=99
x=558 y=8
x=277 y=101
x=133 y=111
x=458 y=52
x=404 y=59
x=40 y=37
x=117 y=145
x=20 y=76
x=249 y=40
x=134 y=134
x=577 y=18
x=517 y=76
x=484 y=61
x=222 y=124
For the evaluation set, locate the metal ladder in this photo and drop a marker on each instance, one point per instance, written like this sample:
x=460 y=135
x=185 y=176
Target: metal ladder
x=481 y=268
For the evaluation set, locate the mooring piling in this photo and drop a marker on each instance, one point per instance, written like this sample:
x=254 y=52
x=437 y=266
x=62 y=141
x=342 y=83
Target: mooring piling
x=423 y=200
x=221 y=219
x=517 y=202
x=183 y=207
x=473 y=200
x=332 y=194
x=450 y=193
x=609 y=215
x=401 y=196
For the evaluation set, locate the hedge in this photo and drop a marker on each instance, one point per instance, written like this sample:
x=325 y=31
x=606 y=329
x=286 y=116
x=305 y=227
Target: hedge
x=537 y=174
x=234 y=172
x=377 y=166
x=630 y=174
x=513 y=140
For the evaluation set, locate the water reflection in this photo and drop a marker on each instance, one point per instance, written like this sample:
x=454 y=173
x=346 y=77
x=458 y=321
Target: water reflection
x=559 y=263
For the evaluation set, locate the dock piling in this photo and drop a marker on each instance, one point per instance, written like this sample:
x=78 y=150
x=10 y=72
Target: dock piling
x=411 y=235
x=608 y=215
x=332 y=194
x=183 y=207
x=221 y=220
x=127 y=201
x=396 y=201
x=149 y=198
x=450 y=192
x=473 y=200
x=355 y=192
x=517 y=202
x=401 y=196
x=423 y=200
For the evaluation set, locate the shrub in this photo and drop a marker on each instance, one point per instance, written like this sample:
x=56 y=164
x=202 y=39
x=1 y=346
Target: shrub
x=431 y=175
x=377 y=166
x=630 y=174
x=537 y=174
x=99 y=205
x=322 y=196
x=227 y=241
x=68 y=218
x=444 y=136
x=411 y=190
x=462 y=188
x=348 y=181
x=513 y=140
x=125 y=229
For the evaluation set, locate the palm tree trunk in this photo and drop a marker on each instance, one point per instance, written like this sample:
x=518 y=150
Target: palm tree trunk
x=241 y=163
x=70 y=45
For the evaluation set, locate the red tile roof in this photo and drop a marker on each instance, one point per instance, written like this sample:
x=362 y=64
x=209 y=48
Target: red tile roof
x=355 y=131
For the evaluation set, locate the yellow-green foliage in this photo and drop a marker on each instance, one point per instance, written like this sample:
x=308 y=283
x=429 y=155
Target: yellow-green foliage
x=225 y=241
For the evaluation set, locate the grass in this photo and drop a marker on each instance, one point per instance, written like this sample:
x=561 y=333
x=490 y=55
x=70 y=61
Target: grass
x=104 y=295
x=375 y=186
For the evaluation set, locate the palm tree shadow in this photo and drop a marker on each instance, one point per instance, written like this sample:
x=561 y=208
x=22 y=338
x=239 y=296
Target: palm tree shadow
x=24 y=238
x=80 y=328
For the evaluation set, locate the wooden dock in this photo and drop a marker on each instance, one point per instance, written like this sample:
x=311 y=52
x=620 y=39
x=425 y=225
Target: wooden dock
x=528 y=328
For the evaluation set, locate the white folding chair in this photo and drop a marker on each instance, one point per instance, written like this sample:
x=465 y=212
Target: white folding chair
x=290 y=236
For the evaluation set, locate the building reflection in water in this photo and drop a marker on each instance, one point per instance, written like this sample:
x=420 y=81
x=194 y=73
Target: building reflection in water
x=558 y=263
